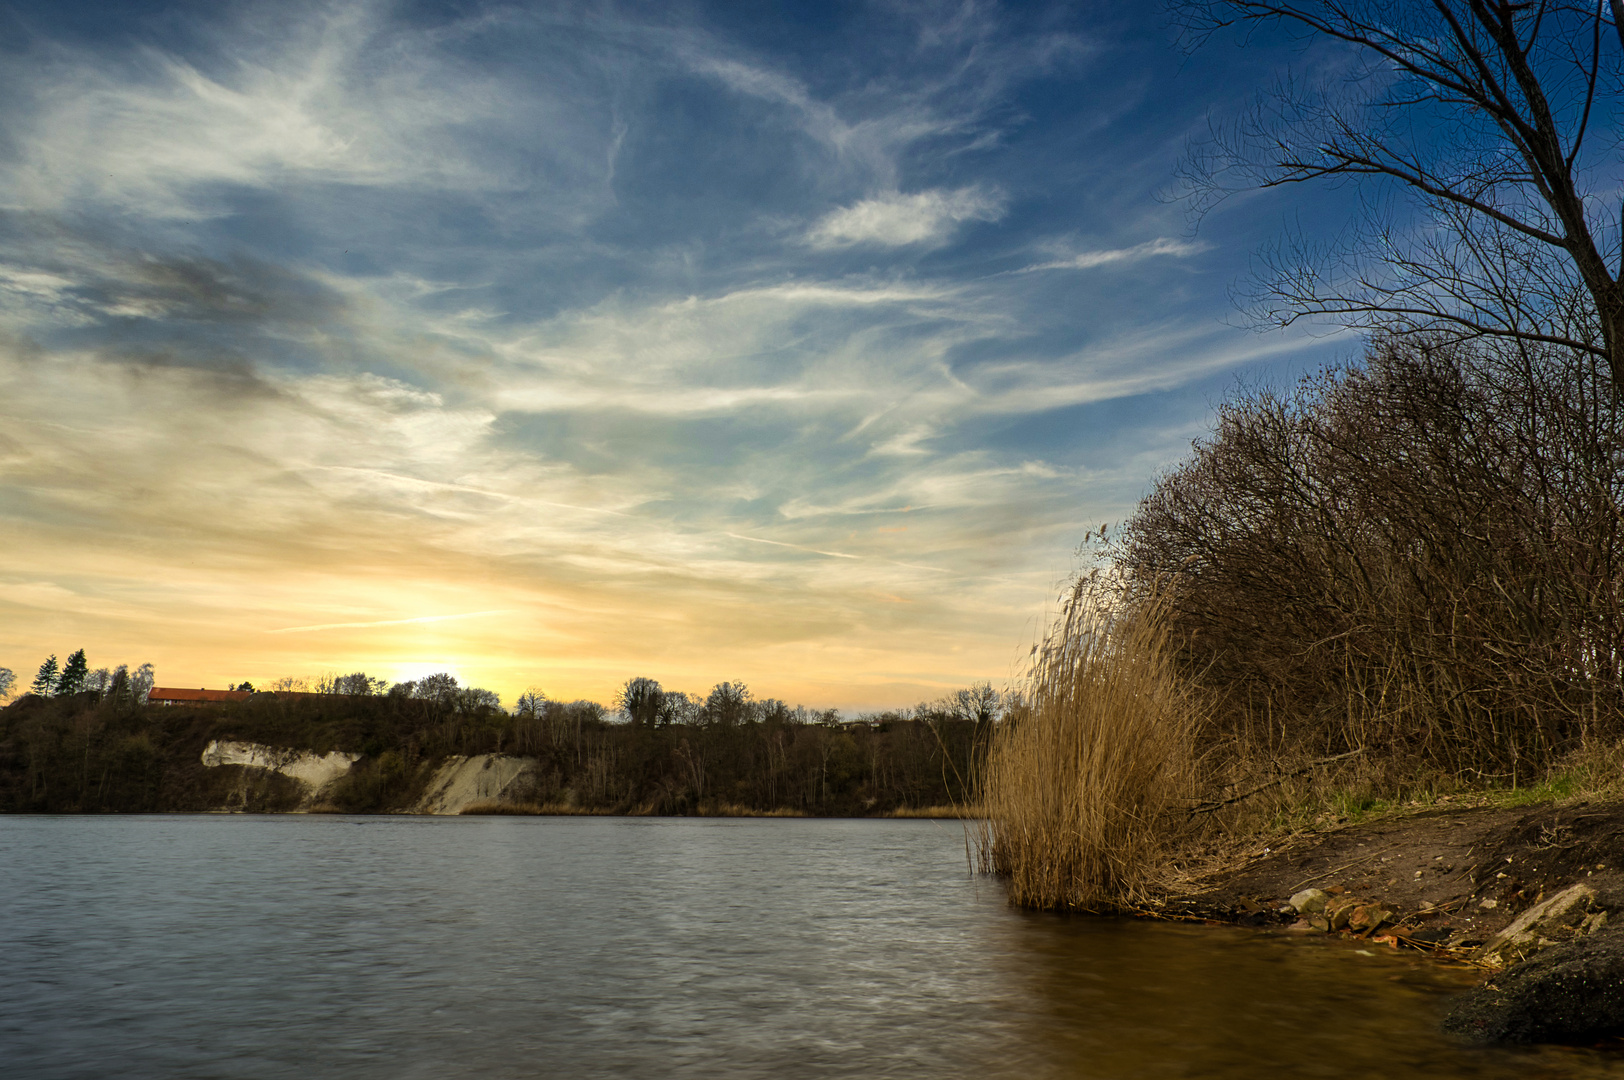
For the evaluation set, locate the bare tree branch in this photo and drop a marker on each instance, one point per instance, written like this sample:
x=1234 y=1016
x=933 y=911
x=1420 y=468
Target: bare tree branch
x=1474 y=113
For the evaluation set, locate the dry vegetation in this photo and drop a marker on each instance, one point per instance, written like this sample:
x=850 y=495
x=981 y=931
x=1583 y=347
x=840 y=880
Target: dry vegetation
x=1398 y=581
x=1079 y=785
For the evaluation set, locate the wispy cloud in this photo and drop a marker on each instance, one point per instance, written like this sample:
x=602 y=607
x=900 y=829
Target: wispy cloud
x=644 y=333
x=387 y=622
x=898 y=220
x=797 y=547
x=1088 y=260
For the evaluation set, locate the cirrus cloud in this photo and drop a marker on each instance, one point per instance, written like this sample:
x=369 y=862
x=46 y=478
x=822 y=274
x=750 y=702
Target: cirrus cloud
x=894 y=219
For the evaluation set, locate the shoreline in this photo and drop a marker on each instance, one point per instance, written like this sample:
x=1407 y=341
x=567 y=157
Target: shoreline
x=1532 y=895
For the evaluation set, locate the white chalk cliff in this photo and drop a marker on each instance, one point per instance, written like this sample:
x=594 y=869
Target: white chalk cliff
x=314 y=771
x=464 y=781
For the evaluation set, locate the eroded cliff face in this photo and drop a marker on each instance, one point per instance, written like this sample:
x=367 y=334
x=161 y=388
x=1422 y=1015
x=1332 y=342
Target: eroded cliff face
x=462 y=782
x=316 y=772
x=456 y=784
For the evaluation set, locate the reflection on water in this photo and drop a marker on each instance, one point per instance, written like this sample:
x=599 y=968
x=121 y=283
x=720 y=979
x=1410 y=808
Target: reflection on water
x=316 y=947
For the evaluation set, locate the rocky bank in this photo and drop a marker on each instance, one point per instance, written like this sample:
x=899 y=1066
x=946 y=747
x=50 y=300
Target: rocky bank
x=1533 y=896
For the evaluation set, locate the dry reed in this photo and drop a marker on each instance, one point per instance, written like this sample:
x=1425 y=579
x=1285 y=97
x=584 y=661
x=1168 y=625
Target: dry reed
x=1086 y=787
x=948 y=812
x=494 y=808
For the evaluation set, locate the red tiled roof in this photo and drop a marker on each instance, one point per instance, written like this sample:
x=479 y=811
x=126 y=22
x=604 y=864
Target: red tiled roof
x=178 y=696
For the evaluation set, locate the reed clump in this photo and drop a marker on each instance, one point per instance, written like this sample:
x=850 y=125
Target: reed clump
x=945 y=812
x=1087 y=786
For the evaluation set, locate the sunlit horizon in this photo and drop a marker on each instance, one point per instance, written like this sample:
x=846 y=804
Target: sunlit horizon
x=552 y=348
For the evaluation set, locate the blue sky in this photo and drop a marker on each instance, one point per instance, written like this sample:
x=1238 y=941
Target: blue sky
x=554 y=344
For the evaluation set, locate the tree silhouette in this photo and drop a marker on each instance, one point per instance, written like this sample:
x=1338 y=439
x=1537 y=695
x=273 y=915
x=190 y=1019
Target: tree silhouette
x=74 y=673
x=728 y=704
x=45 y=681
x=640 y=701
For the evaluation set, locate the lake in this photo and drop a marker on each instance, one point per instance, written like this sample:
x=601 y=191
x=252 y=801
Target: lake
x=317 y=947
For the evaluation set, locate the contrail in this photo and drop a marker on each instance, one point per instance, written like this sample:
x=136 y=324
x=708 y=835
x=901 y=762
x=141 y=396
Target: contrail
x=838 y=554
x=797 y=547
x=385 y=622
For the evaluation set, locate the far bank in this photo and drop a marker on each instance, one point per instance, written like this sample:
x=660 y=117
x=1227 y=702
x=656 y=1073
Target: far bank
x=387 y=754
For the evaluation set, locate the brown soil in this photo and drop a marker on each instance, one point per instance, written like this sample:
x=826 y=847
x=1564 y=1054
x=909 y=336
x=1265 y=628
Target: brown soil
x=1452 y=878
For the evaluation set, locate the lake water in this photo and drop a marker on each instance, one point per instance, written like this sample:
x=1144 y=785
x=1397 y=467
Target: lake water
x=330 y=947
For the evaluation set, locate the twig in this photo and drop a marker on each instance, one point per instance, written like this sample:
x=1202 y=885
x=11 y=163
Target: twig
x=1209 y=807
x=1345 y=866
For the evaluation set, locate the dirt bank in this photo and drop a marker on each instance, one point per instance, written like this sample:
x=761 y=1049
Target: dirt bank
x=1533 y=895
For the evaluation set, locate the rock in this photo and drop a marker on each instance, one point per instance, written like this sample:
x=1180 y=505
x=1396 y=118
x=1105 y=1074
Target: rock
x=1309 y=901
x=1367 y=917
x=1320 y=922
x=1338 y=910
x=1488 y=904
x=1561 y=917
x=1570 y=993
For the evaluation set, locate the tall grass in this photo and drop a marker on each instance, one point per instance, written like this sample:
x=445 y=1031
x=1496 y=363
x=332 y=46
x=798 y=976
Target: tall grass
x=1087 y=786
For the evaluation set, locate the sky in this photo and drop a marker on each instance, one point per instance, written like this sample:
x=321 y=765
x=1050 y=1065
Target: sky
x=556 y=344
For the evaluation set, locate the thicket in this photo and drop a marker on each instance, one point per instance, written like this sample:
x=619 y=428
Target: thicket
x=1417 y=558
x=100 y=753
x=1401 y=574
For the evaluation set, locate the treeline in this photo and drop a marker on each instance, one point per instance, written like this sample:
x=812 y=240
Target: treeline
x=655 y=753
x=76 y=676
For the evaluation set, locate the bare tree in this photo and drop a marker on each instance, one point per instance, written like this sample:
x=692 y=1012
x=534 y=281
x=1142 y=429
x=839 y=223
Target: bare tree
x=1482 y=135
x=728 y=704
x=358 y=684
x=142 y=680
x=640 y=700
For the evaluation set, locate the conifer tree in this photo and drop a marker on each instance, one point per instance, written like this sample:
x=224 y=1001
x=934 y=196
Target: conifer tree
x=45 y=681
x=120 y=690
x=74 y=673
